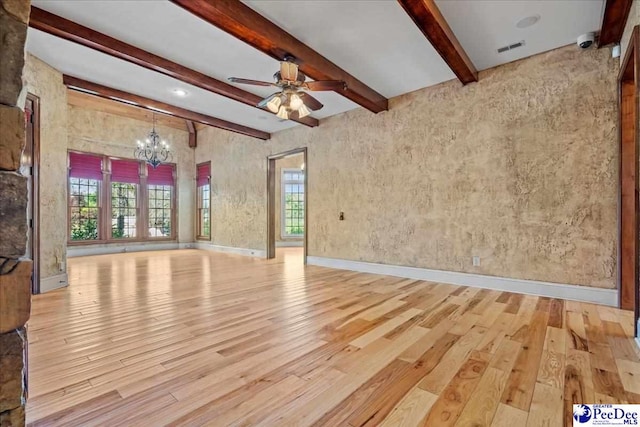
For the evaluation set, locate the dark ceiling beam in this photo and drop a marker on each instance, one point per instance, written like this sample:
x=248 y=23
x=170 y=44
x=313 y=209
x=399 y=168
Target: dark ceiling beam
x=193 y=134
x=69 y=30
x=426 y=15
x=247 y=25
x=158 y=106
x=614 y=20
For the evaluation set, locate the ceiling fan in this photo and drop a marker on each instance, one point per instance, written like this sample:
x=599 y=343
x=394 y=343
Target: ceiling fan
x=291 y=102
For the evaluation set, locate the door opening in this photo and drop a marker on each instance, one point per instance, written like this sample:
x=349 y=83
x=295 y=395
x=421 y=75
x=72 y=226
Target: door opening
x=287 y=202
x=29 y=167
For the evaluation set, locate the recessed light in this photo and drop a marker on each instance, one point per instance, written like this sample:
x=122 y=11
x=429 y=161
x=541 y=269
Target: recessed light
x=528 y=21
x=180 y=92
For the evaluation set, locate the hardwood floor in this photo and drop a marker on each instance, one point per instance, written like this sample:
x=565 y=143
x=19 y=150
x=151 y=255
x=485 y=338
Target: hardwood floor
x=196 y=338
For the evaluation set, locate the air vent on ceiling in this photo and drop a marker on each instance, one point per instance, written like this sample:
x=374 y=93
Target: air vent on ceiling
x=511 y=46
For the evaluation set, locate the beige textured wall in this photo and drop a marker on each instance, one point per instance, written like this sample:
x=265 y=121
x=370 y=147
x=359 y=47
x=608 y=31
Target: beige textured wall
x=103 y=133
x=519 y=169
x=238 y=187
x=46 y=83
x=66 y=127
x=292 y=162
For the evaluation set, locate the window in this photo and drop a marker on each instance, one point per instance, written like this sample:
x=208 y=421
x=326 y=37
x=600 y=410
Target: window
x=292 y=202
x=83 y=199
x=204 y=200
x=125 y=180
x=160 y=188
x=140 y=202
x=85 y=176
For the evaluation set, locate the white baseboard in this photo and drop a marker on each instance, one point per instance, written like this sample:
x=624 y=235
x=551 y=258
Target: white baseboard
x=88 y=250
x=290 y=244
x=258 y=253
x=531 y=287
x=54 y=282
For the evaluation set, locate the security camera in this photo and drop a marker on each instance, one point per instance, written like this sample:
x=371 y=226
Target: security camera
x=586 y=40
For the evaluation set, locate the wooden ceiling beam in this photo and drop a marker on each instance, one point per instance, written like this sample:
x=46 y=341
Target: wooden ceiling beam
x=614 y=20
x=426 y=15
x=91 y=102
x=242 y=22
x=193 y=134
x=161 y=107
x=60 y=27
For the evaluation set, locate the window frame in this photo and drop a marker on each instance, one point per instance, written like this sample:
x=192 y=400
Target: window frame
x=137 y=208
x=174 y=205
x=105 y=205
x=283 y=210
x=198 y=230
x=172 y=214
x=70 y=209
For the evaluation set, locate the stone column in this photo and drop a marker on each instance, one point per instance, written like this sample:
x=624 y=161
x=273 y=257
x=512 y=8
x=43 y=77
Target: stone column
x=15 y=270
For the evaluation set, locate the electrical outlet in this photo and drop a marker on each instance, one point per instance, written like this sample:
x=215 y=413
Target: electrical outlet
x=476 y=261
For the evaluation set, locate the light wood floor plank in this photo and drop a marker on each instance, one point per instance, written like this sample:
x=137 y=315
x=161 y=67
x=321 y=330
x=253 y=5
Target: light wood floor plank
x=191 y=338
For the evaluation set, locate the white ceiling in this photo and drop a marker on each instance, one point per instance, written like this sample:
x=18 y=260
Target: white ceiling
x=373 y=40
x=482 y=26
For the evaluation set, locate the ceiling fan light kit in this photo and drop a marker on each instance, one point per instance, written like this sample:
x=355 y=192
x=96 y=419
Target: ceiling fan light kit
x=283 y=113
x=274 y=104
x=292 y=98
x=295 y=102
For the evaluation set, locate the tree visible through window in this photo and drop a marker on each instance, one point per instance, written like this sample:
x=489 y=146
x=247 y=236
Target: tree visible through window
x=292 y=202
x=160 y=200
x=203 y=177
x=204 y=209
x=123 y=186
x=123 y=210
x=160 y=181
x=83 y=207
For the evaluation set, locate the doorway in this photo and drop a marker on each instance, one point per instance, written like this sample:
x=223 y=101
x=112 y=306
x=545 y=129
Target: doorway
x=29 y=167
x=287 y=202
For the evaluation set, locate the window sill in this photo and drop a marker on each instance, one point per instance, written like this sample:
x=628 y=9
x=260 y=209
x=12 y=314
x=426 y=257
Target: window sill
x=121 y=241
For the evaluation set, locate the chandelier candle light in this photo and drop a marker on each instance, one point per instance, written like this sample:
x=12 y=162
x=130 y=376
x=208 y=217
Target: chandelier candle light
x=153 y=150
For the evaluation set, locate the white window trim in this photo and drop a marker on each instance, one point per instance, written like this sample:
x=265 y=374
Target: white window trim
x=283 y=229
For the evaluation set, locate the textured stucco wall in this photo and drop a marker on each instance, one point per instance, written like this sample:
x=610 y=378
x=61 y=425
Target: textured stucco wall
x=238 y=187
x=65 y=127
x=46 y=83
x=293 y=162
x=113 y=135
x=519 y=169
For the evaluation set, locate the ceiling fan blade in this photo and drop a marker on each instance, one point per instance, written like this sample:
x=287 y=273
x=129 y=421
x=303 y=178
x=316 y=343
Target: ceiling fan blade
x=320 y=85
x=250 y=82
x=311 y=102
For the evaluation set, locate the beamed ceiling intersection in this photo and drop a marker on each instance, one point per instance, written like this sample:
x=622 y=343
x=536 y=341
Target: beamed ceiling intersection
x=247 y=25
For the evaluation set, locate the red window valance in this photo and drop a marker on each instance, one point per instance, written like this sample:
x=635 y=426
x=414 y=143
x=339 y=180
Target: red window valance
x=161 y=175
x=127 y=171
x=204 y=172
x=87 y=166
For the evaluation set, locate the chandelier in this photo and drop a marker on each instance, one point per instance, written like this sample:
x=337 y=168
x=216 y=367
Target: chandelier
x=153 y=150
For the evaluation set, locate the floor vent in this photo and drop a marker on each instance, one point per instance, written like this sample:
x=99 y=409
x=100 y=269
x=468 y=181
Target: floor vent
x=511 y=46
